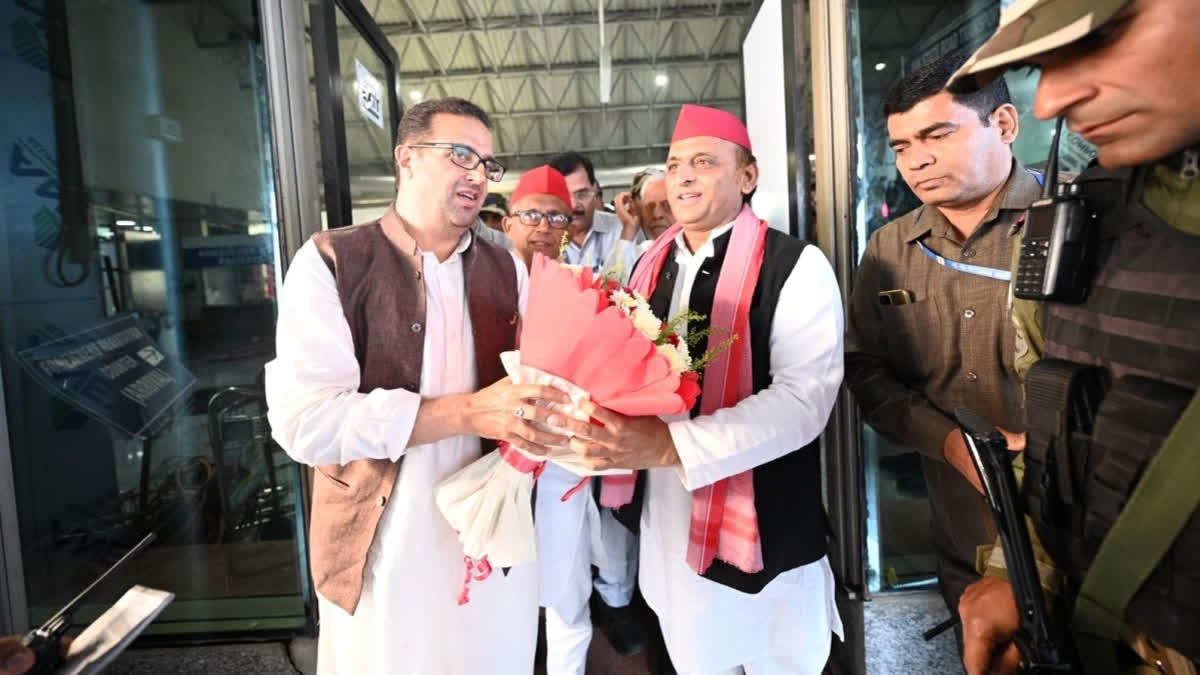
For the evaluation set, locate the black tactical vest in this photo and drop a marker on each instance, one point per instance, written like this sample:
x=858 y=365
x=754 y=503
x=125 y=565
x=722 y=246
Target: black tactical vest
x=1117 y=372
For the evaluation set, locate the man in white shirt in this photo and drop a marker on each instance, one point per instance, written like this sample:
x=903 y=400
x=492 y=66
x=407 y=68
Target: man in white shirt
x=568 y=531
x=388 y=347
x=598 y=238
x=728 y=501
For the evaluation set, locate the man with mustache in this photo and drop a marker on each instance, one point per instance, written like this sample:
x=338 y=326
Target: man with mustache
x=1107 y=493
x=929 y=327
x=388 y=380
x=598 y=239
x=646 y=206
x=569 y=531
x=728 y=501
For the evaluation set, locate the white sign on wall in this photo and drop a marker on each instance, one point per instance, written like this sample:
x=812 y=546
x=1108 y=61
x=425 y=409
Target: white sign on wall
x=370 y=94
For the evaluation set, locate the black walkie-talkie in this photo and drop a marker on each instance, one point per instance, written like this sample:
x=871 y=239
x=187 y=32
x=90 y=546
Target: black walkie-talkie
x=1055 y=251
x=45 y=641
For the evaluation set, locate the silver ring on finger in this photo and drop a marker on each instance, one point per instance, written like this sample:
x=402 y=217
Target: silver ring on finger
x=519 y=412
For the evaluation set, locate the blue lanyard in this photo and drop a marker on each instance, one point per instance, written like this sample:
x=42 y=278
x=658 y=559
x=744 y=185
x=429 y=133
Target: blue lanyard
x=977 y=270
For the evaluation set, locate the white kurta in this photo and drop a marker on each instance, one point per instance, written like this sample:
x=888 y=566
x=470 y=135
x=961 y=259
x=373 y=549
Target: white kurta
x=408 y=620
x=710 y=628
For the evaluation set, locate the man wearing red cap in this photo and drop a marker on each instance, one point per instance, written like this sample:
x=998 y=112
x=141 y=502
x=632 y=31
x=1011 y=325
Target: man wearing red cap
x=538 y=214
x=733 y=552
x=568 y=532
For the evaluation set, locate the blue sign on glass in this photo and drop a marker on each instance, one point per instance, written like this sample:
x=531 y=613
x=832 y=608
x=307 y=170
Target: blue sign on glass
x=227 y=250
x=113 y=371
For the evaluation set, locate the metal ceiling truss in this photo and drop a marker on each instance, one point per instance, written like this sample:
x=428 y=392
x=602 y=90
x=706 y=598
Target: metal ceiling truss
x=534 y=65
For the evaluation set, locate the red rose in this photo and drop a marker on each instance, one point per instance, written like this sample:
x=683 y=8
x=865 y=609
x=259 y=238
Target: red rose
x=689 y=388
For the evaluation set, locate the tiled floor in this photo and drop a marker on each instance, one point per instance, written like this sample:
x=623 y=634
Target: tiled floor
x=894 y=623
x=261 y=659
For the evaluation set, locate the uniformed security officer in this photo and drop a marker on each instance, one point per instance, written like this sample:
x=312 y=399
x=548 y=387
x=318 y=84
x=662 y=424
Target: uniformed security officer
x=1111 y=410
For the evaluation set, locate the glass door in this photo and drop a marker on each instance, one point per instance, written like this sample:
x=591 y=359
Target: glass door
x=139 y=260
x=358 y=110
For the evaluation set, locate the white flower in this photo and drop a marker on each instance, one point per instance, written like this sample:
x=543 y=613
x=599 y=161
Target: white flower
x=641 y=304
x=623 y=300
x=645 y=321
x=682 y=348
x=577 y=270
x=676 y=358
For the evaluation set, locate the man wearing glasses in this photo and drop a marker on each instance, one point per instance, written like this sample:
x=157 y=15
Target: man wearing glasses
x=539 y=212
x=598 y=238
x=388 y=344
x=538 y=216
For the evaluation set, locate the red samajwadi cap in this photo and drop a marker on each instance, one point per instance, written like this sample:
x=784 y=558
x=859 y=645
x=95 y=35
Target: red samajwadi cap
x=544 y=180
x=697 y=120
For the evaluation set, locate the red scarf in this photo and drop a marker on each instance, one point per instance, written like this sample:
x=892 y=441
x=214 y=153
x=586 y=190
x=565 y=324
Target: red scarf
x=724 y=520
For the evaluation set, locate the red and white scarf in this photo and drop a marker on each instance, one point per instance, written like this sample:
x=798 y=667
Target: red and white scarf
x=724 y=520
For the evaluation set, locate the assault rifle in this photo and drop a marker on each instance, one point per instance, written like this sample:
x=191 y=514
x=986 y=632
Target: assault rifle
x=1043 y=648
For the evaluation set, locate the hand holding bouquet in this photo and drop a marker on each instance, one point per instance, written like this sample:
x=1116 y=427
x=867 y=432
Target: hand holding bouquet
x=595 y=340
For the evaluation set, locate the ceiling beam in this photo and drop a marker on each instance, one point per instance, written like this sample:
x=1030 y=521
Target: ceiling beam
x=586 y=110
x=520 y=22
x=415 y=77
x=372 y=168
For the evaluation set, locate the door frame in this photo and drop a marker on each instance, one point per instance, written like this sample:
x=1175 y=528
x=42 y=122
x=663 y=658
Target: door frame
x=331 y=114
x=836 y=167
x=14 y=613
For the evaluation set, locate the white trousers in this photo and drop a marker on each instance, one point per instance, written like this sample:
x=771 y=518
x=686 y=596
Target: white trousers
x=567 y=535
x=567 y=642
x=572 y=536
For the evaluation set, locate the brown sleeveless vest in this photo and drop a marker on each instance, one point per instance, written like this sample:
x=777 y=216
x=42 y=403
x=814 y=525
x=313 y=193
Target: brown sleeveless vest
x=383 y=298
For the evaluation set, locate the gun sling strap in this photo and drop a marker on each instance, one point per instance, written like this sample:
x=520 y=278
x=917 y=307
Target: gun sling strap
x=1155 y=514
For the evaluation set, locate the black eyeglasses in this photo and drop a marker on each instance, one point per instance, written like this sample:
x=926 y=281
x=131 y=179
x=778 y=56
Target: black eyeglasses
x=531 y=217
x=466 y=157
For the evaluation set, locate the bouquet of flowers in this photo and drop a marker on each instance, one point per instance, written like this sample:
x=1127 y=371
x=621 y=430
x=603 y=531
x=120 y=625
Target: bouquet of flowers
x=593 y=339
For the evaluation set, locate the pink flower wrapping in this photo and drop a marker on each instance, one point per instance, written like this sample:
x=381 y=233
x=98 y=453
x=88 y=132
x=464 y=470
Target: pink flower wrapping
x=572 y=330
x=575 y=338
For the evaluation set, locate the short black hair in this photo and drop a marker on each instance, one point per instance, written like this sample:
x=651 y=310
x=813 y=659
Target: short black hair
x=569 y=162
x=745 y=157
x=418 y=120
x=931 y=78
